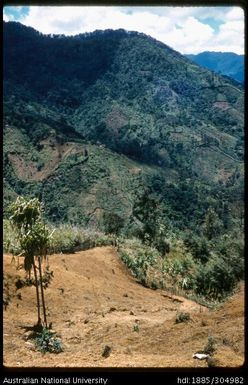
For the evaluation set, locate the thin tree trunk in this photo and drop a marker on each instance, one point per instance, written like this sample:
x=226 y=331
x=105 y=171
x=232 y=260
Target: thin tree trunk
x=42 y=292
x=37 y=293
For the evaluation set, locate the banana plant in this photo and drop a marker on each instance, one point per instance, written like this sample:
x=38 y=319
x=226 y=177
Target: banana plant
x=34 y=237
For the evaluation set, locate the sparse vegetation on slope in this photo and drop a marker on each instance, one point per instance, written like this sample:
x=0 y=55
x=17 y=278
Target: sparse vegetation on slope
x=94 y=302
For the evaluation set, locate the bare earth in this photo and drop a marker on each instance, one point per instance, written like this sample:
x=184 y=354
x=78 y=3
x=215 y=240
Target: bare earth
x=93 y=301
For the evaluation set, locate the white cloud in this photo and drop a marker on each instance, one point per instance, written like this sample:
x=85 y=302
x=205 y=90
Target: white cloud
x=233 y=33
x=185 y=29
x=6 y=17
x=236 y=13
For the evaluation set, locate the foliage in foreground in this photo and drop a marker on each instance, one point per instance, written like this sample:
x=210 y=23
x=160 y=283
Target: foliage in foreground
x=33 y=236
x=46 y=341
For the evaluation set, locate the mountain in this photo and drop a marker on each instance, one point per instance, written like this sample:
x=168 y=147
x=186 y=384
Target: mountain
x=93 y=121
x=225 y=63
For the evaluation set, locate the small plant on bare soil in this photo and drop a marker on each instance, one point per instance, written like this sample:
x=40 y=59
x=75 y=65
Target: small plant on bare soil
x=136 y=328
x=106 y=351
x=46 y=341
x=210 y=346
x=182 y=317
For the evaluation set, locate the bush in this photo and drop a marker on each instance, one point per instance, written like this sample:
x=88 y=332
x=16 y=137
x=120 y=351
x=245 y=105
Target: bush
x=210 y=346
x=136 y=328
x=46 y=341
x=182 y=317
x=212 y=224
x=143 y=261
x=216 y=279
x=198 y=247
x=232 y=252
x=113 y=223
x=162 y=245
x=180 y=267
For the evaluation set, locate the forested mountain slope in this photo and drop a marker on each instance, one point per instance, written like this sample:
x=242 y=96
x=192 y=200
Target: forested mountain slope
x=98 y=118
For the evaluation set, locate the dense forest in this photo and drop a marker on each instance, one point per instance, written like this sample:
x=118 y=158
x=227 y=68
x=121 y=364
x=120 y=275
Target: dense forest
x=116 y=132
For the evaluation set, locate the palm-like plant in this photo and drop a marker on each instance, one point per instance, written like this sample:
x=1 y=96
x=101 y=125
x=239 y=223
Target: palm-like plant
x=34 y=237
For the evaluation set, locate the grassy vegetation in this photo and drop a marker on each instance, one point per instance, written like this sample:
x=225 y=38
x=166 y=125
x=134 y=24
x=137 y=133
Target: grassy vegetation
x=65 y=239
x=143 y=261
x=68 y=239
x=179 y=272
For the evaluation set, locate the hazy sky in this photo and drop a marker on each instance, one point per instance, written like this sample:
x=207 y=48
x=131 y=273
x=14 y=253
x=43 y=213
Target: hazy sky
x=186 y=29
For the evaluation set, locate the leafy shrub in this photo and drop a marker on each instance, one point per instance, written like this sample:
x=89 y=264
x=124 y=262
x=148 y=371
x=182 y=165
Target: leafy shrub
x=46 y=341
x=232 y=251
x=210 y=346
x=143 y=261
x=212 y=224
x=34 y=236
x=113 y=222
x=182 y=317
x=216 y=279
x=198 y=246
x=161 y=243
x=180 y=267
x=136 y=328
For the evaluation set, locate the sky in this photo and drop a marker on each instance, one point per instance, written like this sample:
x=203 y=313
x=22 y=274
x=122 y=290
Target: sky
x=189 y=30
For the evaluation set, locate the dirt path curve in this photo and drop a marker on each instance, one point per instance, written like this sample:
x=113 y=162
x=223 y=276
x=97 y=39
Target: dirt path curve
x=93 y=301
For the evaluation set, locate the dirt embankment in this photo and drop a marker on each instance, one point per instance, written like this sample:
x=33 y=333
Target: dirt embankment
x=93 y=301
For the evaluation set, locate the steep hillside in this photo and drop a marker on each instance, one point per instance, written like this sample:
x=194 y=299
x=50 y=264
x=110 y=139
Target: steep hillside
x=121 y=136
x=93 y=302
x=97 y=118
x=225 y=63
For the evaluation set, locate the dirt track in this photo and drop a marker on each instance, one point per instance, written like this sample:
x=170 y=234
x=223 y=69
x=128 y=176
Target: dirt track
x=93 y=301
